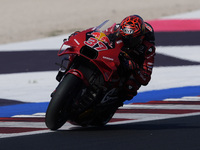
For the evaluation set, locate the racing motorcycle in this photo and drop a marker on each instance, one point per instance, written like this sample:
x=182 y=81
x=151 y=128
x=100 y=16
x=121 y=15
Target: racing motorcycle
x=90 y=88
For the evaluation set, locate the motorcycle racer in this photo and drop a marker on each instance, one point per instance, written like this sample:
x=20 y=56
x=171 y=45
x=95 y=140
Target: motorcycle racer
x=106 y=65
x=139 y=51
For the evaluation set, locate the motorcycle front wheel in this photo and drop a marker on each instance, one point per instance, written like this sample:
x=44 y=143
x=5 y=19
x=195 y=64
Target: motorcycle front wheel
x=58 y=110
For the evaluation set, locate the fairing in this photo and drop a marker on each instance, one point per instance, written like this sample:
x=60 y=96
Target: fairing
x=96 y=45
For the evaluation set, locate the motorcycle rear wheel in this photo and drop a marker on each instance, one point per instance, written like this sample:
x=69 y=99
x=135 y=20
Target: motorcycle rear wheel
x=58 y=110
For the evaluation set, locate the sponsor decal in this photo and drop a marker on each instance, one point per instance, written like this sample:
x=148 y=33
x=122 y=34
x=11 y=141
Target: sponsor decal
x=108 y=58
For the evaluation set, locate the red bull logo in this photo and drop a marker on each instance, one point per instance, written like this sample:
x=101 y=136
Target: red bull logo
x=101 y=37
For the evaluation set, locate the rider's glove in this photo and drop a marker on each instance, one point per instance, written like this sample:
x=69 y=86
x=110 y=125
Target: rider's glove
x=131 y=65
x=127 y=62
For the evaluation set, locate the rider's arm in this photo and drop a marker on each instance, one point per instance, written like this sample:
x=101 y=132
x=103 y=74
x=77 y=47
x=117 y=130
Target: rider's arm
x=143 y=73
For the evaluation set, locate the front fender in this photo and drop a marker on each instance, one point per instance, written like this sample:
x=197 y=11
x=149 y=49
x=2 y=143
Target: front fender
x=78 y=74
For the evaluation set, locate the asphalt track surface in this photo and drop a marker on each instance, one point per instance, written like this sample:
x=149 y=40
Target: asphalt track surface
x=168 y=134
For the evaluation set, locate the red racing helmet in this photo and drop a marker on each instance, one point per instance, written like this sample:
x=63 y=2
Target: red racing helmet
x=132 y=25
x=132 y=29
